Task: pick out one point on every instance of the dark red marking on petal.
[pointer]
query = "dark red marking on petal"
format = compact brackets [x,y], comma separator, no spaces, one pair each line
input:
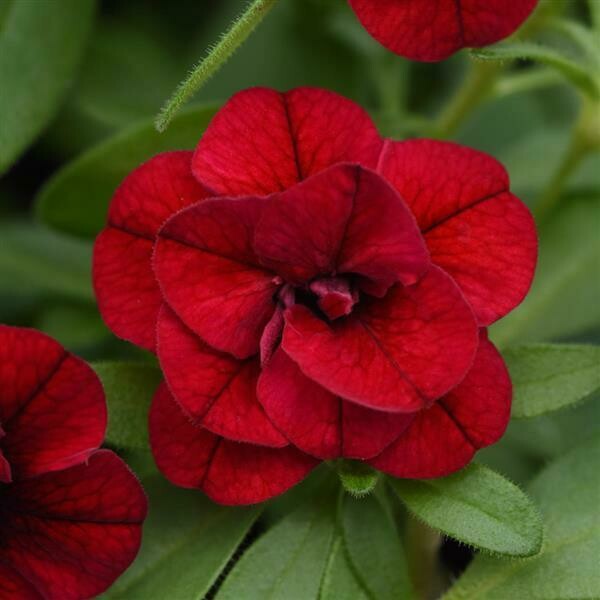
[478,232]
[263,141]
[210,277]
[320,423]
[216,390]
[431,30]
[52,405]
[344,220]
[444,437]
[127,293]
[228,472]
[397,354]
[71,533]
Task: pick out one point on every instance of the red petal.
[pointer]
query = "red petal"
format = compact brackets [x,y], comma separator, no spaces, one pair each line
[475,230]
[320,423]
[52,405]
[209,276]
[228,472]
[71,533]
[431,30]
[127,293]
[14,587]
[345,220]
[397,354]
[444,438]
[263,141]
[217,391]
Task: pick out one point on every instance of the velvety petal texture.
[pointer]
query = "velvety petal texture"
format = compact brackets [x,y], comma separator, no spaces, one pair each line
[228,472]
[70,514]
[444,437]
[127,293]
[431,30]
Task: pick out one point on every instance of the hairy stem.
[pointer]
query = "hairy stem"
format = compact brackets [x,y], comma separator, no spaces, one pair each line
[231,40]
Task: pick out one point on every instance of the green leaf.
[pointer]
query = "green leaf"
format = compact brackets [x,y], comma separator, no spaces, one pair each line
[568,494]
[579,75]
[187,543]
[76,199]
[41,44]
[478,507]
[548,377]
[339,582]
[358,478]
[37,262]
[129,388]
[564,297]
[374,548]
[288,561]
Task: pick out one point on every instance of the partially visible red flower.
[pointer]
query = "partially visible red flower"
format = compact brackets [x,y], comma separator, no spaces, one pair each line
[313,291]
[70,514]
[431,30]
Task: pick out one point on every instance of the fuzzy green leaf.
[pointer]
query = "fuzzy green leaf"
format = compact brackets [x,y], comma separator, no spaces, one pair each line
[547,377]
[129,388]
[41,44]
[339,581]
[288,561]
[76,199]
[374,549]
[568,494]
[187,543]
[476,506]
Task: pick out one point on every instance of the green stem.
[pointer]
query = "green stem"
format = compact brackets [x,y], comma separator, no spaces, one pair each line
[237,34]
[585,139]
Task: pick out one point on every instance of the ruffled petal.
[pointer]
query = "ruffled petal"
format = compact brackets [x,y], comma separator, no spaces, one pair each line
[210,277]
[344,220]
[228,472]
[320,423]
[475,229]
[397,354]
[444,438]
[217,391]
[127,293]
[52,407]
[264,141]
[71,533]
[431,30]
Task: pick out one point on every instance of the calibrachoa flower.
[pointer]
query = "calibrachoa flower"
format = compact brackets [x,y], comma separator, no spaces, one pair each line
[70,514]
[431,30]
[314,291]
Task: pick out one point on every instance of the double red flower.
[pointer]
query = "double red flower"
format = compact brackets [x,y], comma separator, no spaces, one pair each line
[314,291]
[70,514]
[431,30]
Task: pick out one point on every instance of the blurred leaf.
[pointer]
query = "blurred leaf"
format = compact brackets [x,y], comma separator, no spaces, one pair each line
[129,388]
[41,44]
[36,261]
[563,300]
[187,543]
[579,75]
[339,582]
[288,561]
[549,377]
[76,199]
[478,507]
[374,548]
[568,494]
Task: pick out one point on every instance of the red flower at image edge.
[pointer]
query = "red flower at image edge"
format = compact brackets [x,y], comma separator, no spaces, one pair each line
[431,30]
[70,514]
[314,291]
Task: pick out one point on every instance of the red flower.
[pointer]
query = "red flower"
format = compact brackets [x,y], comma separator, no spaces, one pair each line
[313,291]
[431,30]
[70,514]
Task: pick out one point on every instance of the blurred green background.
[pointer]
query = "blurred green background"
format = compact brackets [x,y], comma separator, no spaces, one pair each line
[82,80]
